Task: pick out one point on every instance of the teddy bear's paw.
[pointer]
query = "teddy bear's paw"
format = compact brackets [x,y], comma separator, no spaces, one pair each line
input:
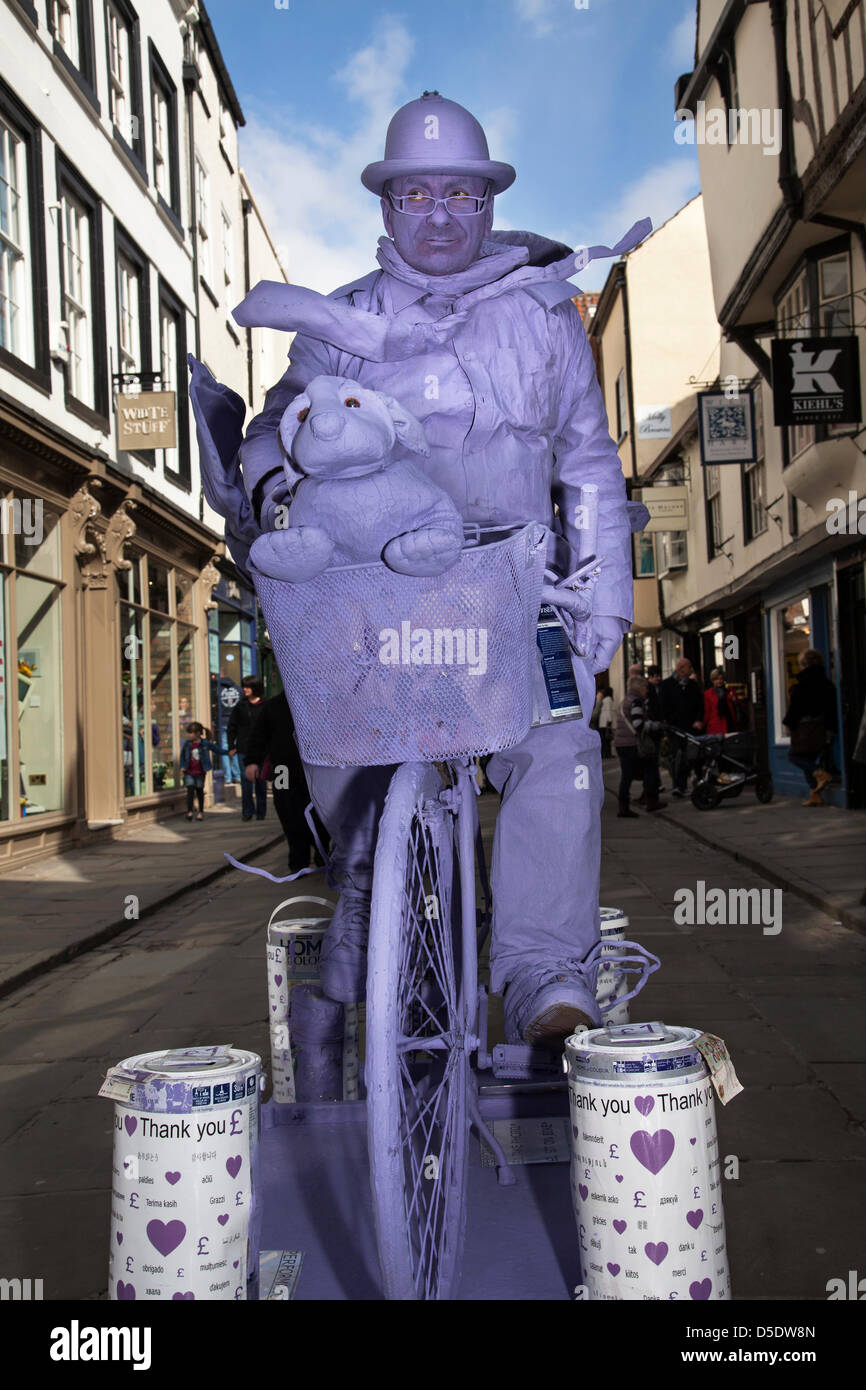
[430,550]
[299,553]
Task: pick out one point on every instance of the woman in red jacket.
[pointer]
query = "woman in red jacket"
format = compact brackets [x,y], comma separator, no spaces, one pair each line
[720,706]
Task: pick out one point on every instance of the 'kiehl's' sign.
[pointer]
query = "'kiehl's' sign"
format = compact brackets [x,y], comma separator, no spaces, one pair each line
[146,421]
[816,381]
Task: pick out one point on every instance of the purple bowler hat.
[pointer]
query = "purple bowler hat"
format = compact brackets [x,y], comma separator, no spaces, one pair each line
[436,136]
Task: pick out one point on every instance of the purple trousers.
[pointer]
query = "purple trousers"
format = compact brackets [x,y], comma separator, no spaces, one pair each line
[546,848]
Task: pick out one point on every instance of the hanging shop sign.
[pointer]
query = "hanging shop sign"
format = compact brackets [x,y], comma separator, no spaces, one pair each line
[816,381]
[726,426]
[146,421]
[653,422]
[668,507]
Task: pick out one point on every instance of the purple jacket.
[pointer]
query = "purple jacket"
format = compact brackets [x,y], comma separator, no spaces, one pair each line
[505,388]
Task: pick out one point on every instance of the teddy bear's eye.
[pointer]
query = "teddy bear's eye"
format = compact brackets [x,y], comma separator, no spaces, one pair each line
[350,400]
[302,414]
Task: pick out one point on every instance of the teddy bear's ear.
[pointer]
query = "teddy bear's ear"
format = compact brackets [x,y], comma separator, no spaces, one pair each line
[290,423]
[407,429]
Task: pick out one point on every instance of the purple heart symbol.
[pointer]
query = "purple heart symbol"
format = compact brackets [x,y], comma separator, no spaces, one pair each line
[644,1104]
[176,1296]
[233,1165]
[278,979]
[273,1008]
[223,1219]
[583,1191]
[130,1121]
[695,1218]
[119,1237]
[172,1178]
[125,1290]
[165,1235]
[700,1290]
[619,1226]
[574,1130]
[654,1252]
[693,1141]
[618,1177]
[614,1269]
[652,1150]
[235,1264]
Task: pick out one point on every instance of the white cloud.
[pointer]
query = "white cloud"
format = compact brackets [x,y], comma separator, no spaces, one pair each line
[680,44]
[306,178]
[537,13]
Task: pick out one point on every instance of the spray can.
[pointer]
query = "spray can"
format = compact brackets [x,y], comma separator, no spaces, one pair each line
[645,1174]
[185,1216]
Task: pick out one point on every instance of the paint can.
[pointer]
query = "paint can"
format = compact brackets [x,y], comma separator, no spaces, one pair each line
[293,948]
[184,1213]
[645,1173]
[611,983]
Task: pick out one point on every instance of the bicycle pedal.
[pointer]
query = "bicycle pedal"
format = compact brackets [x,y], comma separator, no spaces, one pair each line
[520,1062]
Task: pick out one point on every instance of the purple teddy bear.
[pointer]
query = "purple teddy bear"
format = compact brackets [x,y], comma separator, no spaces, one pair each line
[353,504]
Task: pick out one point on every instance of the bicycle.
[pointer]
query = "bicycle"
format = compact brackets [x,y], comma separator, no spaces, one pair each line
[426,1016]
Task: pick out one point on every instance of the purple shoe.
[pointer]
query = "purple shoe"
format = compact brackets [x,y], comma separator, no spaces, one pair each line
[343,960]
[545,1004]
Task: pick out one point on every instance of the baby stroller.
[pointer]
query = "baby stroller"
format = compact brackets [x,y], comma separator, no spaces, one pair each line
[723,764]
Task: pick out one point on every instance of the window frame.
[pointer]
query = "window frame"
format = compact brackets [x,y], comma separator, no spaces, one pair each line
[182,476]
[808,270]
[161,79]
[622,420]
[133,148]
[68,179]
[713,546]
[83,73]
[38,373]
[202,228]
[750,471]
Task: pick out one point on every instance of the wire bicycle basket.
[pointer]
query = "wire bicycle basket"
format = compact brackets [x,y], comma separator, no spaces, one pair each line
[383,668]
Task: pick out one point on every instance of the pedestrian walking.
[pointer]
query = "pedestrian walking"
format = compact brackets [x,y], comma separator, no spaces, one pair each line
[195,764]
[682,705]
[254,792]
[654,704]
[636,749]
[272,741]
[721,707]
[606,720]
[811,718]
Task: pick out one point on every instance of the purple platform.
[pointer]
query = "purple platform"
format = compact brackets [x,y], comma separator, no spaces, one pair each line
[521,1241]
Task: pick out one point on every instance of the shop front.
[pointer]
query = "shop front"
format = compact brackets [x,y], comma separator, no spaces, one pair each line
[800,615]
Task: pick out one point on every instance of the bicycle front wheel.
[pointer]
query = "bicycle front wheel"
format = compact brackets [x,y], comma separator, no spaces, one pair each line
[417,1061]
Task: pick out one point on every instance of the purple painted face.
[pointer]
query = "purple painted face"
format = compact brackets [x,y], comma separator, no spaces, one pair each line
[440,243]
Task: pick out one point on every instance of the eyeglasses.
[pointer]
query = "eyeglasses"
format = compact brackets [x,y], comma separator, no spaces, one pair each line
[418,204]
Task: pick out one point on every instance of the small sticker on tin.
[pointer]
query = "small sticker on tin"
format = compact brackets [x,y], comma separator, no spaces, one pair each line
[721,1068]
[251,1085]
[238,1090]
[201,1095]
[221,1093]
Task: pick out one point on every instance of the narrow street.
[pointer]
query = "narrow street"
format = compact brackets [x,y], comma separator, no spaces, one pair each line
[789,1006]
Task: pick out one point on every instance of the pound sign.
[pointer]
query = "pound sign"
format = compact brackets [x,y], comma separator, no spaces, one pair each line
[235,1116]
[239,1293]
[133,1200]
[582,1232]
[129,1265]
[239,1199]
[637,1198]
[613,1151]
[202,1246]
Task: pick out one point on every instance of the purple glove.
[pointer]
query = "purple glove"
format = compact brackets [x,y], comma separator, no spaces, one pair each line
[607,634]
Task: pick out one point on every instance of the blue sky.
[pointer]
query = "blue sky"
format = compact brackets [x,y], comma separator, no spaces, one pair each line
[579,100]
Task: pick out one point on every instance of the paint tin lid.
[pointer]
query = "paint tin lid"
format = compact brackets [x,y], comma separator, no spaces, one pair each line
[634,1049]
[179,1080]
[610,916]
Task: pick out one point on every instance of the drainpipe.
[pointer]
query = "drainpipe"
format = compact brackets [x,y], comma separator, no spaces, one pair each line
[190,87]
[246,208]
[623,286]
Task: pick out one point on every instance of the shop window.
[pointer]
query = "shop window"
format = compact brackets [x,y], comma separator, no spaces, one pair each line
[673,551]
[644,555]
[16,305]
[791,635]
[158,673]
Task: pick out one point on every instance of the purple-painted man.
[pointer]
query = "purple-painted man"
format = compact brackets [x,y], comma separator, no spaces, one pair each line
[475,332]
